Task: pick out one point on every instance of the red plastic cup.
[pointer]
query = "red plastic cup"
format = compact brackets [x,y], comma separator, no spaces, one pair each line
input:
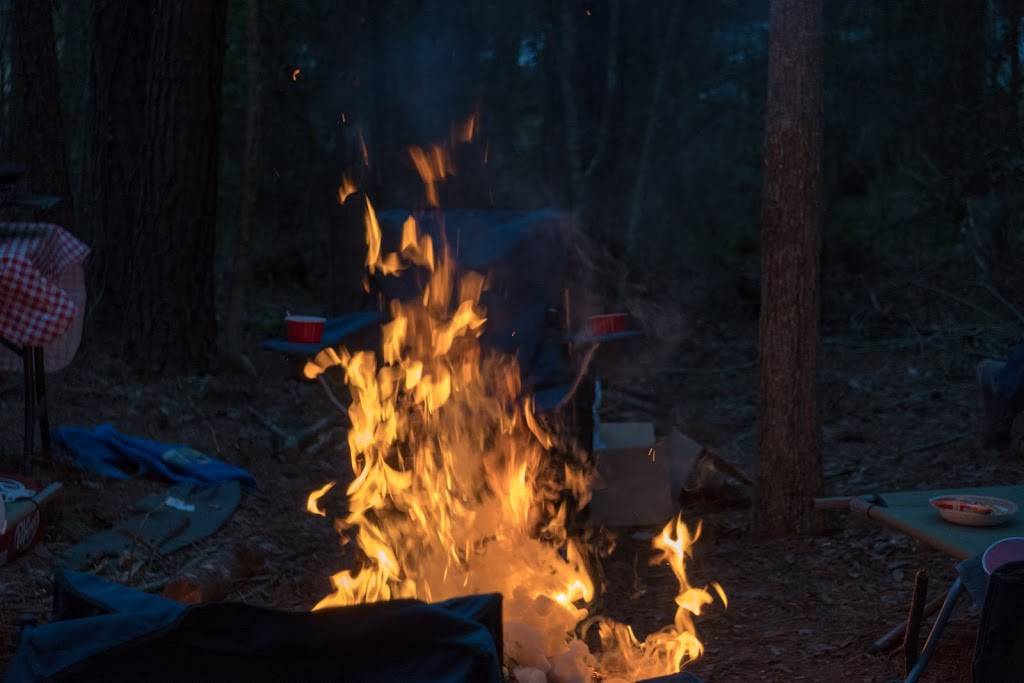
[304,329]
[608,323]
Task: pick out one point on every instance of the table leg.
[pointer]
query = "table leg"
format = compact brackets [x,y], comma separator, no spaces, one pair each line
[28,360]
[44,413]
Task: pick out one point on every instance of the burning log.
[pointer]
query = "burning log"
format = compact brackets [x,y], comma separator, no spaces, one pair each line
[210,579]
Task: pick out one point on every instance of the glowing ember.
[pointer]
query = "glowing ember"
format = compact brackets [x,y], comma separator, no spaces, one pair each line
[295,74]
[455,489]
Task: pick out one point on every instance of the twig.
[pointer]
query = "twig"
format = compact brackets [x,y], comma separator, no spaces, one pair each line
[726,467]
[958,299]
[330,395]
[994,292]
[154,585]
[294,443]
[213,433]
[580,374]
[892,637]
[708,371]
[934,444]
[265,421]
[911,641]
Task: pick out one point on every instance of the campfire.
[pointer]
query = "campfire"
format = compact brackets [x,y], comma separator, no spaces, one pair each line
[456,490]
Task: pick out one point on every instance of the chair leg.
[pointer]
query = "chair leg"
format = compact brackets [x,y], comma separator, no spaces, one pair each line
[933,637]
[28,360]
[44,412]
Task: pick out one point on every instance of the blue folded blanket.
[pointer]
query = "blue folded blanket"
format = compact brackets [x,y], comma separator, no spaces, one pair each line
[107,451]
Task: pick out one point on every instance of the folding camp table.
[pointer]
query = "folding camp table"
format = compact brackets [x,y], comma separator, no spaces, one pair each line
[910,513]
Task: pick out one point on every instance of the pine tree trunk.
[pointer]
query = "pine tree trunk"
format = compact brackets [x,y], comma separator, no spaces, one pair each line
[111,187]
[788,468]
[240,275]
[41,148]
[172,319]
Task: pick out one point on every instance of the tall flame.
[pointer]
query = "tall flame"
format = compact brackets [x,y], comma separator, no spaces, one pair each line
[455,490]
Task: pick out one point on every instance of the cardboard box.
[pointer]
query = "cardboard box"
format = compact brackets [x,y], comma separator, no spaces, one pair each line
[27,520]
[635,482]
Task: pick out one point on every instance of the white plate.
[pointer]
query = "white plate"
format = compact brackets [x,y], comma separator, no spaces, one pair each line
[1002,510]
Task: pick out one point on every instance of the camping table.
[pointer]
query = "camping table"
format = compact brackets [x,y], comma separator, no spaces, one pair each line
[42,294]
[910,513]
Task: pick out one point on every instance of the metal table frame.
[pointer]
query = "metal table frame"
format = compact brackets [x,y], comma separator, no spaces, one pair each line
[35,401]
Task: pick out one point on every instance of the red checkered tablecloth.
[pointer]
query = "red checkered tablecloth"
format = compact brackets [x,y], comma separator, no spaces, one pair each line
[34,258]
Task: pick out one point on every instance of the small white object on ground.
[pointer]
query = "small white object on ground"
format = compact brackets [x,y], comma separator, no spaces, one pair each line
[179,504]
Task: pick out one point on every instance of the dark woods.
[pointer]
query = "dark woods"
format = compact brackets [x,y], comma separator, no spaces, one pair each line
[199,145]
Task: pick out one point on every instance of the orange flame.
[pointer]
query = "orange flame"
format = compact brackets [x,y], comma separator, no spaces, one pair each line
[454,490]
[346,189]
[362,148]
[314,498]
[295,74]
[433,166]
[467,131]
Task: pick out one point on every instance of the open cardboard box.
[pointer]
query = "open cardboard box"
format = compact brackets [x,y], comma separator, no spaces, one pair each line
[639,478]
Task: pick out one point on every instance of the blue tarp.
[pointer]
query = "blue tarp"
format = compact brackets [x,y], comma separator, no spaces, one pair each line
[107,632]
[106,451]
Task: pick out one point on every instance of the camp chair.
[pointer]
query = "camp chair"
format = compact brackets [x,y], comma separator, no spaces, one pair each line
[524,255]
[910,513]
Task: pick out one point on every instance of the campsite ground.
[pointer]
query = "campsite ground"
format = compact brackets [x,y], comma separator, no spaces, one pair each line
[897,409]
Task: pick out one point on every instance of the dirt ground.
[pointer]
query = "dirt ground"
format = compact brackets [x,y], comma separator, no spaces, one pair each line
[897,409]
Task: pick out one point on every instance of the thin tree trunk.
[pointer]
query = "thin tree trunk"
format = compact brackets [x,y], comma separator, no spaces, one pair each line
[1013,10]
[172,320]
[788,466]
[643,164]
[240,274]
[581,172]
[611,88]
[111,185]
[572,117]
[42,150]
[553,156]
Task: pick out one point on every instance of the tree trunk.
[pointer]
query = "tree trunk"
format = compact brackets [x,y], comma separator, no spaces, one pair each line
[240,274]
[172,320]
[1013,10]
[111,187]
[788,468]
[34,62]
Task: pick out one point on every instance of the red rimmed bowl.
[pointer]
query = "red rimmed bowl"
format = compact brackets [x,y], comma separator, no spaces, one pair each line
[304,329]
[974,510]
